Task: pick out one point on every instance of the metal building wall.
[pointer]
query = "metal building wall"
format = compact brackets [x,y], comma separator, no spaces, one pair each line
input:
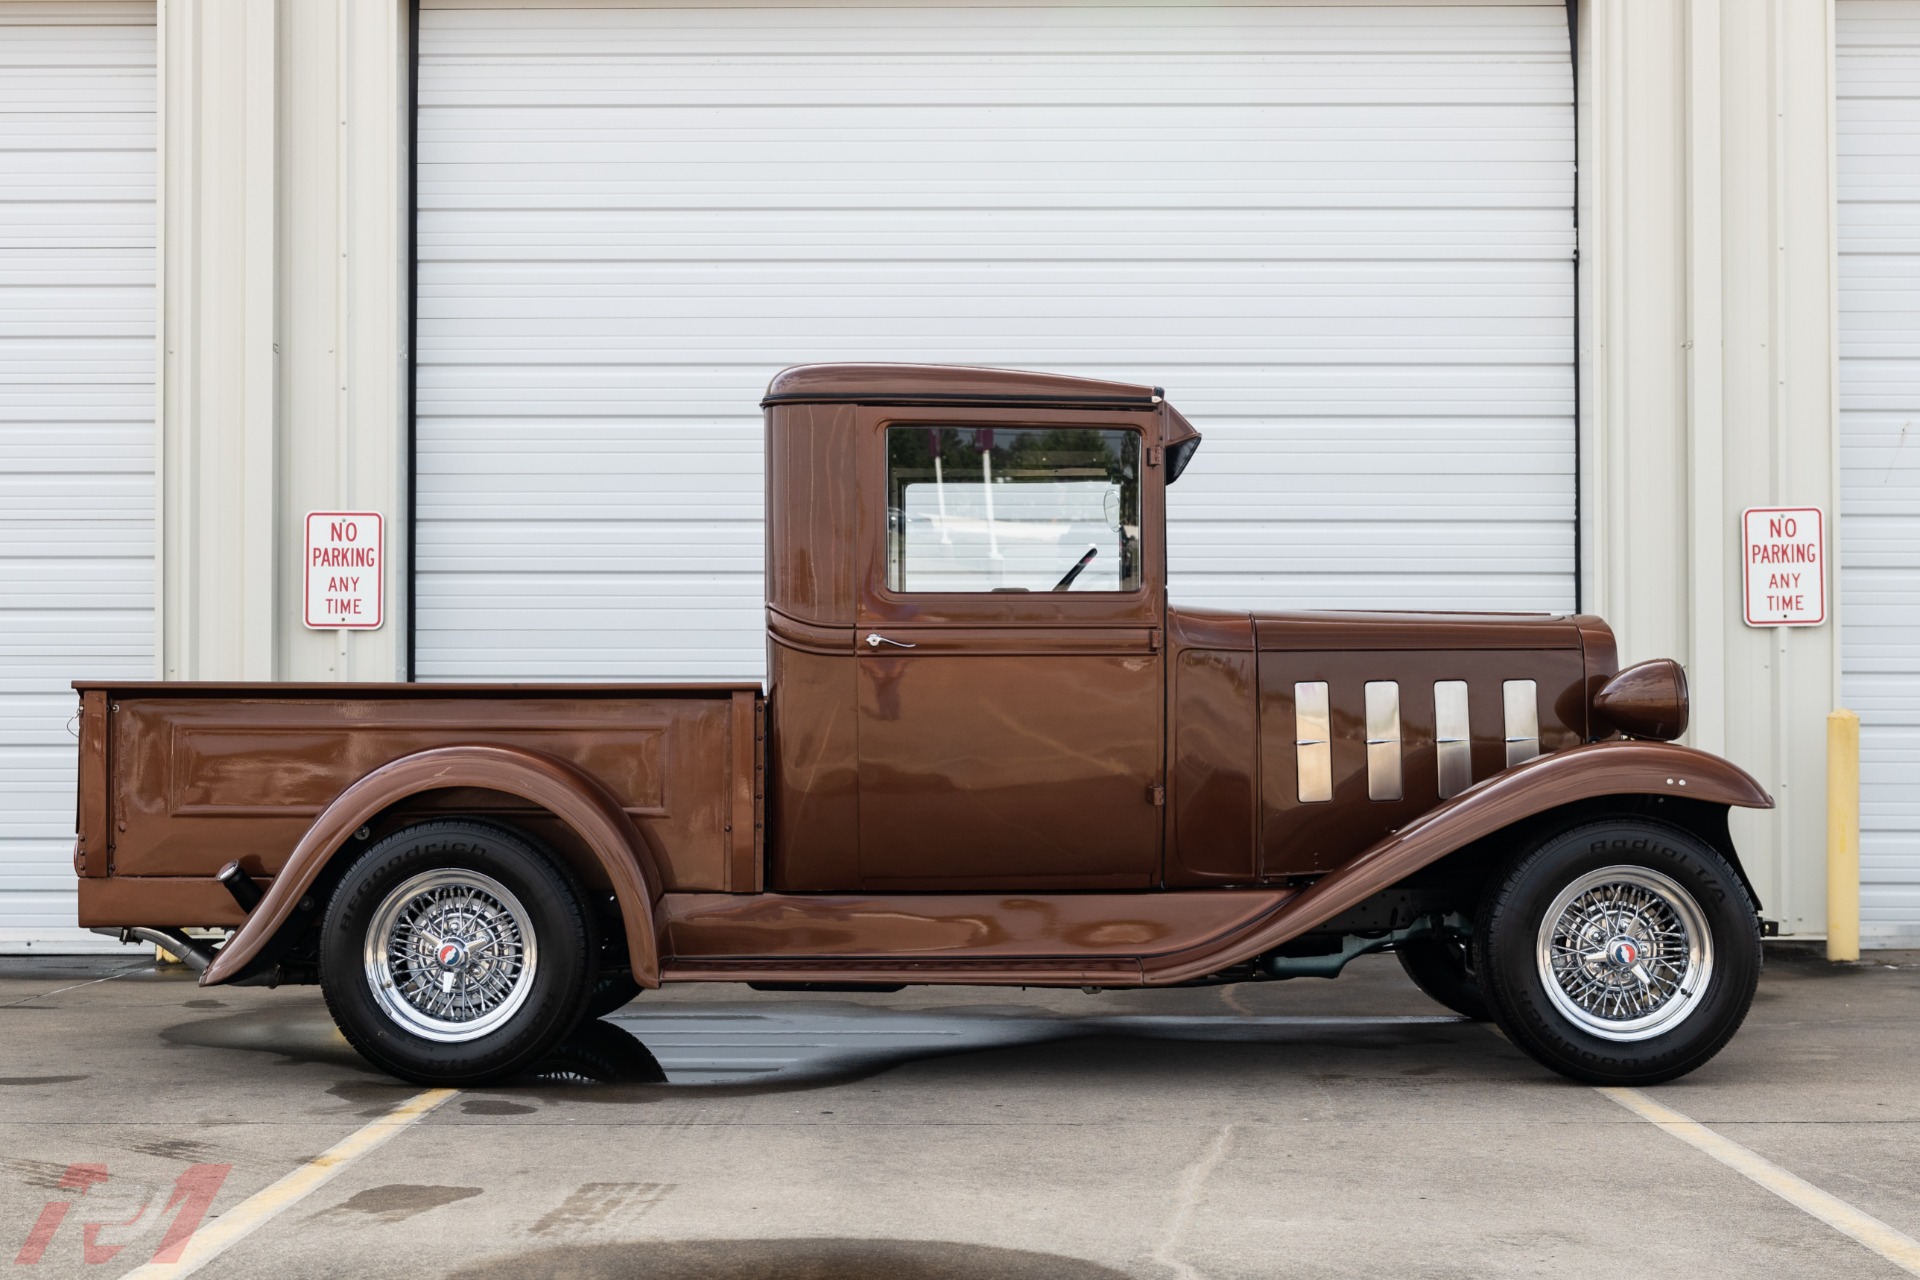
[1879,175]
[76,417]
[1340,236]
[1707,375]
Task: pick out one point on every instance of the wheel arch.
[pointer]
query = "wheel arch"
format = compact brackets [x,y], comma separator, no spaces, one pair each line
[1679,784]
[604,843]
[1473,863]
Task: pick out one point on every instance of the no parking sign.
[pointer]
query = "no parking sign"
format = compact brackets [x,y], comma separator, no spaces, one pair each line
[1785,553]
[346,568]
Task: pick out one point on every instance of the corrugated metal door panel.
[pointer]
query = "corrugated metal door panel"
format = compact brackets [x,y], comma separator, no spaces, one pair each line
[1341,237]
[76,427]
[1879,182]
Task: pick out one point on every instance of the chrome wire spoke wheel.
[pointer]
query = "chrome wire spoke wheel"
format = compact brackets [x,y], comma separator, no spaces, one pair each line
[1625,953]
[451,955]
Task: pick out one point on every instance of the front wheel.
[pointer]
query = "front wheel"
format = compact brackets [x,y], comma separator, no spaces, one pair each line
[456,953]
[1620,952]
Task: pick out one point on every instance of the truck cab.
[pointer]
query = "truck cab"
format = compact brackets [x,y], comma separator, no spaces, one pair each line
[978,680]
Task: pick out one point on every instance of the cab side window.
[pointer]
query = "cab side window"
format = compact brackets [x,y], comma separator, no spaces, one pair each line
[979,509]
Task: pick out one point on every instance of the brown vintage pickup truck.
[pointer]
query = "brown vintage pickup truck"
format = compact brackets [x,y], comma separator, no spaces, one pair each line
[990,752]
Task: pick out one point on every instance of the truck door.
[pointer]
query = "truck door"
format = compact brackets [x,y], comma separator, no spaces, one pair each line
[1010,667]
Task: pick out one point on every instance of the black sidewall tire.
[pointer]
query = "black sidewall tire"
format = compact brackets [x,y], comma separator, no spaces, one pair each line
[1506,951]
[1438,966]
[562,981]
[614,991]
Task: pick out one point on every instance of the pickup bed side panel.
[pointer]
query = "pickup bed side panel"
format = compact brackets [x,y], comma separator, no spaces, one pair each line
[200,780]
[93,850]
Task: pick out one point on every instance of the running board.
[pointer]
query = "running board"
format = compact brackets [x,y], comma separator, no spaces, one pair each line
[844,974]
[786,937]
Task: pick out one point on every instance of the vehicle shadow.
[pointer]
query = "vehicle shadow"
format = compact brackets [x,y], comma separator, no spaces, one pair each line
[796,1259]
[725,1050]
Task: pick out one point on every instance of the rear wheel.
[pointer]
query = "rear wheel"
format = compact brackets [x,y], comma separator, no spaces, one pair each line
[458,952]
[1625,951]
[1438,966]
[613,992]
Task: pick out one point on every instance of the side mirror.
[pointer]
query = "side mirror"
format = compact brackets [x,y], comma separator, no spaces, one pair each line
[1110,505]
[1179,454]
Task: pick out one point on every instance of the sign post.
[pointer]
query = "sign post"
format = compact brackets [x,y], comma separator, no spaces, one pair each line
[346,570]
[1784,551]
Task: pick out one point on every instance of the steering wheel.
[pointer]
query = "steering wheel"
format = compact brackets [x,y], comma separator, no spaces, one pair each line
[1074,572]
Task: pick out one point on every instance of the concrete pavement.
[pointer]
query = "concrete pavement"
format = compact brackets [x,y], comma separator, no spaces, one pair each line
[1305,1128]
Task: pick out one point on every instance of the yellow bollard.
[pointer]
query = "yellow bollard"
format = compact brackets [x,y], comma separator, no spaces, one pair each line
[1843,836]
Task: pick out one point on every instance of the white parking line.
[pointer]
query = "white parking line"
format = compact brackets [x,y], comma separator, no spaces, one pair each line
[91,982]
[1193,1185]
[262,1206]
[1900,1249]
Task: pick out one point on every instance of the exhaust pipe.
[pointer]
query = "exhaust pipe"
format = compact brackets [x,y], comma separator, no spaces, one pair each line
[195,955]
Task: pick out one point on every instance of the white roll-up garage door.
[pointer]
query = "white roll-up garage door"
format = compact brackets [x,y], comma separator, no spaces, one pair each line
[1879,179]
[76,418]
[1340,236]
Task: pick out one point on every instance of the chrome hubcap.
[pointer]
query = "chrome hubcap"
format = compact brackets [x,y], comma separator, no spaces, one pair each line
[451,955]
[1625,953]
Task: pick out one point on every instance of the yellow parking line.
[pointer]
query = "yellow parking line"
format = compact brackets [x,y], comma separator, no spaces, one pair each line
[262,1206]
[1900,1249]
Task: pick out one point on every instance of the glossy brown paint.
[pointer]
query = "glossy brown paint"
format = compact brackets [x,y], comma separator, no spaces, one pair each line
[1047,788]
[1246,927]
[702,927]
[244,775]
[1412,630]
[1213,792]
[746,736]
[93,847]
[896,971]
[946,385]
[813,768]
[812,507]
[1018,742]
[186,902]
[1548,782]
[1018,772]
[1647,700]
[812,757]
[1300,838]
[622,851]
[1602,661]
[1234,725]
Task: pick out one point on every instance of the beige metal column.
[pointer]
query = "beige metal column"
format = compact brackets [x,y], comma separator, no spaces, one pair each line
[217,465]
[1708,374]
[282,320]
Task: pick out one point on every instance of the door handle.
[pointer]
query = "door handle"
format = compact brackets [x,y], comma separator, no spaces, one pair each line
[875,640]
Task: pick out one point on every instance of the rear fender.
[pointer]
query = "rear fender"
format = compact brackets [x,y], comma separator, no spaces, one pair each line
[576,798]
[1593,771]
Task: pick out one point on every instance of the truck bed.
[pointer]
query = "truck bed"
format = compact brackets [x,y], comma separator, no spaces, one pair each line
[177,778]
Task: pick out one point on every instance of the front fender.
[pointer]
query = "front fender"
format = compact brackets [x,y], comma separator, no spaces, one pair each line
[1617,768]
[575,797]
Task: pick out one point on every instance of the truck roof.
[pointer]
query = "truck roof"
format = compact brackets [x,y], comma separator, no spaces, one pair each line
[935,384]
